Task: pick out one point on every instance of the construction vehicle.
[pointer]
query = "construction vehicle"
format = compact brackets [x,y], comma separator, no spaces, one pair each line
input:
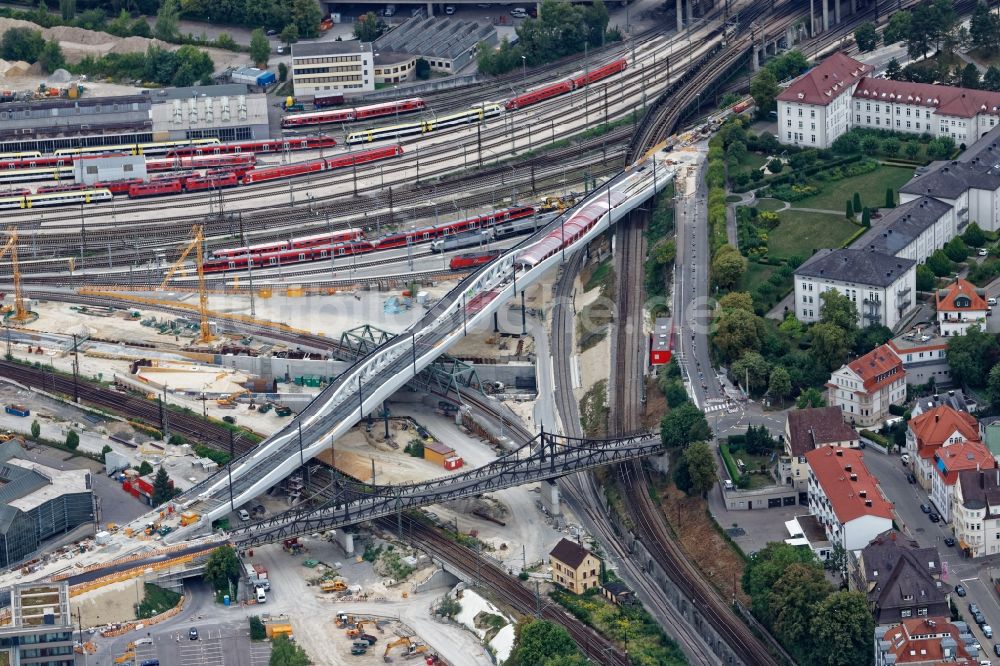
[229,401]
[333,586]
[20,314]
[344,620]
[357,630]
[412,647]
[368,638]
[282,410]
[326,24]
[189,518]
[197,245]
[357,649]
[125,657]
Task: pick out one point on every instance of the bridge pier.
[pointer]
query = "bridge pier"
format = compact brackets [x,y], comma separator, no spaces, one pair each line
[346,541]
[550,496]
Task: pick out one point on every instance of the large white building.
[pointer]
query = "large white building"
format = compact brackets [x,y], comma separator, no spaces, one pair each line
[845,498]
[880,285]
[913,230]
[839,94]
[864,388]
[332,67]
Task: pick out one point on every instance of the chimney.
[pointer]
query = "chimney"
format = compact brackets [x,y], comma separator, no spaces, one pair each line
[854,477]
[864,493]
[937,417]
[868,502]
[840,452]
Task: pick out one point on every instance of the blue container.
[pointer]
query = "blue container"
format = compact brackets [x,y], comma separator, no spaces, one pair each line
[225,600]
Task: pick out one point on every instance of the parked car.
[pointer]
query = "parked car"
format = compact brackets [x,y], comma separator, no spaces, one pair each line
[244,515]
[193,634]
[973,607]
[960,590]
[983,252]
[934,517]
[911,477]
[996,649]
[987,631]
[949,541]
[905,458]
[925,508]
[519,12]
[271,33]
[979,618]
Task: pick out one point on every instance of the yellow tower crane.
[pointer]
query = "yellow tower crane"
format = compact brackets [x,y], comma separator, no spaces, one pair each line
[20,315]
[196,244]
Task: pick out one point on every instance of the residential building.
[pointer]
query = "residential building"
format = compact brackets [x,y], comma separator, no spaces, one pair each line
[574,567]
[949,461]
[924,354]
[976,518]
[334,67]
[864,388]
[808,429]
[845,498]
[816,108]
[913,230]
[960,305]
[38,502]
[926,641]
[953,398]
[881,286]
[900,579]
[40,630]
[932,429]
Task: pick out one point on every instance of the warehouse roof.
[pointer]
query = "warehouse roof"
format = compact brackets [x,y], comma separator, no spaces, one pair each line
[856,266]
[187,92]
[434,37]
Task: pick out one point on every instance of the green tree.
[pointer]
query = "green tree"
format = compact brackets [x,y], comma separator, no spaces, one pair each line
[991,79]
[22,44]
[736,332]
[307,16]
[897,30]
[856,201]
[754,368]
[970,77]
[764,90]
[780,383]
[286,653]
[870,145]
[810,397]
[912,149]
[683,425]
[890,198]
[701,468]
[843,625]
[105,450]
[765,567]
[675,393]
[728,267]
[866,218]
[289,34]
[140,28]
[67,9]
[866,37]
[956,249]
[257,630]
[974,236]
[850,210]
[871,337]
[939,263]
[925,278]
[737,150]
[72,440]
[892,68]
[794,598]
[162,489]
[775,166]
[993,386]
[282,71]
[737,300]
[121,25]
[366,27]
[51,57]
[167,21]
[423,69]
[145,468]
[940,148]
[982,29]
[36,430]
[972,356]
[260,48]
[537,641]
[830,345]
[838,309]
[222,568]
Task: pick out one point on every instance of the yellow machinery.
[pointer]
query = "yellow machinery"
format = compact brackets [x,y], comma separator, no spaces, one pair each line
[333,586]
[229,401]
[20,315]
[407,642]
[344,620]
[196,244]
[358,629]
[125,657]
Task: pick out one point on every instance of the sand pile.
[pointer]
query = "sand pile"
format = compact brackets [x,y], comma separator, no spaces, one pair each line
[60,76]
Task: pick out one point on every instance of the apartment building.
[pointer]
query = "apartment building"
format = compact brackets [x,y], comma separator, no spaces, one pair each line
[864,388]
[933,429]
[913,230]
[808,429]
[927,641]
[949,462]
[816,108]
[976,518]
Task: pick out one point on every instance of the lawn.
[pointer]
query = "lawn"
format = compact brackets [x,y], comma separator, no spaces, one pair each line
[770,204]
[871,187]
[801,232]
[750,162]
[755,274]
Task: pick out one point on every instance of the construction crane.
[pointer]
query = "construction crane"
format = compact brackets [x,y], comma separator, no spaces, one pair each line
[21,315]
[196,244]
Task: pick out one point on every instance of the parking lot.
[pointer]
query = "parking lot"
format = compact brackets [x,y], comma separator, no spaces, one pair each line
[228,645]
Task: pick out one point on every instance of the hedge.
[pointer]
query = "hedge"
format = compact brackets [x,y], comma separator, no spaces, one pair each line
[875,437]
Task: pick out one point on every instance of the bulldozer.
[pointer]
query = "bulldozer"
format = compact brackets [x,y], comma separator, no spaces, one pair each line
[333,586]
[412,647]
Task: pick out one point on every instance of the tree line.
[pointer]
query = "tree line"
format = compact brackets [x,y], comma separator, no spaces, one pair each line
[561,29]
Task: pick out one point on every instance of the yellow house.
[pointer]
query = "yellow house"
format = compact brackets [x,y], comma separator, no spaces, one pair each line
[574,567]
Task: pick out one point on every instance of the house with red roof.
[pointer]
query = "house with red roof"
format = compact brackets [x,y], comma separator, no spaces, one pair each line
[816,108]
[949,461]
[845,498]
[926,641]
[976,509]
[865,387]
[959,306]
[933,429]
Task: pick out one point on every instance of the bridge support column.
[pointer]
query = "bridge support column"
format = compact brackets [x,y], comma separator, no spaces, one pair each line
[346,541]
[430,9]
[826,15]
[660,463]
[836,12]
[690,13]
[550,497]
[680,15]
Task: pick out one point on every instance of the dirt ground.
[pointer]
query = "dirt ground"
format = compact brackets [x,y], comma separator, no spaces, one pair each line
[111,603]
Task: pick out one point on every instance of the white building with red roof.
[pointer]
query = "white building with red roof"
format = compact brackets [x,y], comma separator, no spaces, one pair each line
[933,429]
[865,387]
[816,108]
[845,498]
[926,641]
[959,306]
[949,461]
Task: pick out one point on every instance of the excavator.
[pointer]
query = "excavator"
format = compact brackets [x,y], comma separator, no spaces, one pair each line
[344,620]
[333,586]
[412,648]
[358,629]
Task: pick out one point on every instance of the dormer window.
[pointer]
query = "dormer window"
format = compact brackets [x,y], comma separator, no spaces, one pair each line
[963,302]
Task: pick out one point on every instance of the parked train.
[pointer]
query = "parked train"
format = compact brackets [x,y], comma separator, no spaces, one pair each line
[238,163]
[37,200]
[328,238]
[301,250]
[271,146]
[326,164]
[472,259]
[354,114]
[474,115]
[152,148]
[568,85]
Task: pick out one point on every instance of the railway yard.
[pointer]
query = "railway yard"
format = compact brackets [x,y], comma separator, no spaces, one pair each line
[364,351]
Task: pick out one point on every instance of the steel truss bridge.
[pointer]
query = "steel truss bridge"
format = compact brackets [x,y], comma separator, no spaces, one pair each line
[547,456]
[386,364]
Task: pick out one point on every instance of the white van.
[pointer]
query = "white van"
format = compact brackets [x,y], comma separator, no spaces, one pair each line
[261,595]
[991,301]
[519,12]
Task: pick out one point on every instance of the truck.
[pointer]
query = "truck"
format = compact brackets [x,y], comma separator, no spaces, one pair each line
[262,580]
[17,410]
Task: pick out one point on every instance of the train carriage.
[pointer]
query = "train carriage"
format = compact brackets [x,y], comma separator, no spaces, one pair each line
[266,146]
[86,196]
[575,227]
[472,259]
[332,116]
[41,173]
[156,188]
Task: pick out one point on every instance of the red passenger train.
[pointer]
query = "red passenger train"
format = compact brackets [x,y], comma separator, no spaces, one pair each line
[353,115]
[568,85]
[328,238]
[471,260]
[327,164]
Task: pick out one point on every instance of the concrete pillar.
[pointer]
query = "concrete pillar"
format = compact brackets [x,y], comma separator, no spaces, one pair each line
[836,12]
[690,13]
[660,463]
[826,15]
[854,7]
[550,497]
[812,13]
[430,9]
[346,541]
[680,15]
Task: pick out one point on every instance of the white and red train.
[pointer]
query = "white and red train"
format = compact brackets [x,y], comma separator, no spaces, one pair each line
[353,114]
[567,85]
[323,246]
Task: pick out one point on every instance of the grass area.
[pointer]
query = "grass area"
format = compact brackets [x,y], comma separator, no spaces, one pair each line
[627,625]
[755,274]
[769,204]
[801,232]
[601,276]
[750,162]
[871,187]
[594,410]
[984,59]
[734,198]
[157,600]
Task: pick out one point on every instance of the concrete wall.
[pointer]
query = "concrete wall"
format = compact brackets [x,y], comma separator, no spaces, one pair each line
[752,500]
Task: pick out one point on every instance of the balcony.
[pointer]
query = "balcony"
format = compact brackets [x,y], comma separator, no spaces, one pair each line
[873,317]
